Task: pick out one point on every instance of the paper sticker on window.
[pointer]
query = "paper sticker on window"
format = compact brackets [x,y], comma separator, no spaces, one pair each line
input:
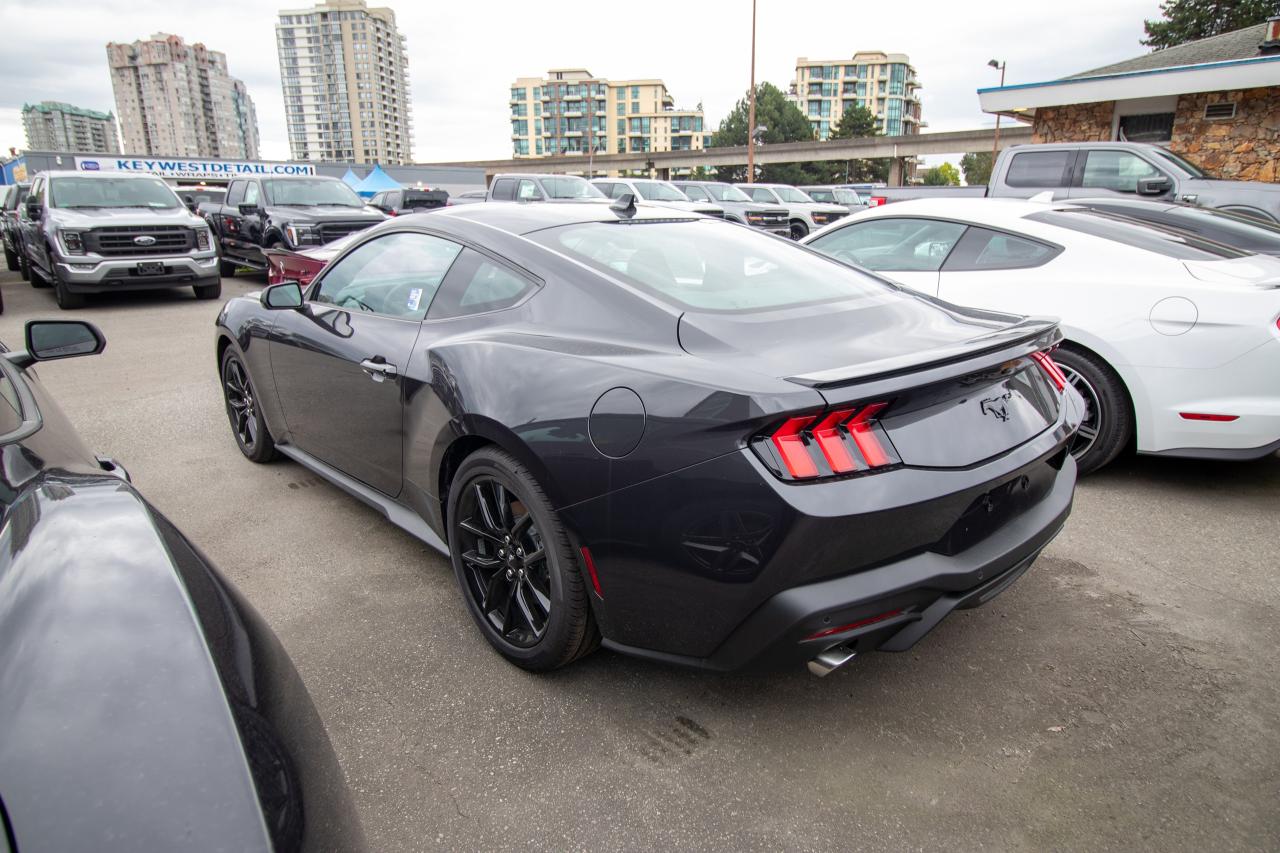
[415,298]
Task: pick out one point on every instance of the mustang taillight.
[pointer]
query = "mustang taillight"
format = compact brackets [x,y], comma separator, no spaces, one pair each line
[841,441]
[1049,366]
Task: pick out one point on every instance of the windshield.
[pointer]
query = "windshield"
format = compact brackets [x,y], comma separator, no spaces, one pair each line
[657,191]
[847,197]
[709,265]
[1181,162]
[792,194]
[568,186]
[822,195]
[724,192]
[311,192]
[111,192]
[1169,242]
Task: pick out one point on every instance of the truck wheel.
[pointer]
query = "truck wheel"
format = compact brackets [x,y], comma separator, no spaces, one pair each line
[208,291]
[11,259]
[227,269]
[799,230]
[65,298]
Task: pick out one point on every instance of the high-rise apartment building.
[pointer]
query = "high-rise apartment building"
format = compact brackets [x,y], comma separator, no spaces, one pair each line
[175,99]
[884,83]
[54,126]
[345,74]
[571,111]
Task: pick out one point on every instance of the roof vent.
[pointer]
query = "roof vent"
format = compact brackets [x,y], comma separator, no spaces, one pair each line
[1220,111]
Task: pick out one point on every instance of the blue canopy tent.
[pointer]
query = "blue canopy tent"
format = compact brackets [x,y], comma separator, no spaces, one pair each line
[351,179]
[375,182]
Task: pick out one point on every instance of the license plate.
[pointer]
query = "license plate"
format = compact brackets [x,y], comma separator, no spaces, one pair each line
[150,268]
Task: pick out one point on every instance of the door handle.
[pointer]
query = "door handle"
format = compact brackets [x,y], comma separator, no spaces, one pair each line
[377,368]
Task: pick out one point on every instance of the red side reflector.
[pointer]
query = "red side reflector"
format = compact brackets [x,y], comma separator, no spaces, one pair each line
[1200,416]
[863,433]
[827,435]
[791,448]
[591,570]
[859,624]
[1050,367]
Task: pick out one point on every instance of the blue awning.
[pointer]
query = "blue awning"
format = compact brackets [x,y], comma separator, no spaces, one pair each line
[375,182]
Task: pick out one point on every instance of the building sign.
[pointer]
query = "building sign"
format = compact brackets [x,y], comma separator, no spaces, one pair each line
[190,169]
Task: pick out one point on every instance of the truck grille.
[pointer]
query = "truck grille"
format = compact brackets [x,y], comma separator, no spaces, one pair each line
[331,231]
[767,219]
[121,240]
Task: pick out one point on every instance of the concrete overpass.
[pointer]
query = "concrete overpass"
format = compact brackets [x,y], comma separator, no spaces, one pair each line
[868,148]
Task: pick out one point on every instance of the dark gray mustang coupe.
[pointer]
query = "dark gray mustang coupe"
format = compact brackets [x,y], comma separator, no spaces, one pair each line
[663,432]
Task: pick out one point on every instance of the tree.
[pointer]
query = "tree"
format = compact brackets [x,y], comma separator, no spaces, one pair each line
[945,175]
[859,123]
[977,167]
[1190,20]
[785,123]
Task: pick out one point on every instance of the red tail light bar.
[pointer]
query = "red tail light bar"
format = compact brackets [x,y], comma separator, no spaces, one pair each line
[842,441]
[1050,367]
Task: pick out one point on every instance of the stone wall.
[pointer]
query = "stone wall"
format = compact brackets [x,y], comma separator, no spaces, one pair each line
[1244,148]
[1074,123]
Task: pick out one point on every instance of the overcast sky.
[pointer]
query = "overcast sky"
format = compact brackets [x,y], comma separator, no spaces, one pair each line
[464,56]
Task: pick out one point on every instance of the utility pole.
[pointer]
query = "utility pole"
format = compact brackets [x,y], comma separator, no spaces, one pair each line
[751,109]
[995,146]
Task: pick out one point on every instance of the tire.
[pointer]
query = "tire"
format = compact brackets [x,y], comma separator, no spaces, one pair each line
[227,269]
[11,259]
[243,412]
[65,298]
[24,270]
[507,595]
[1108,423]
[799,230]
[208,291]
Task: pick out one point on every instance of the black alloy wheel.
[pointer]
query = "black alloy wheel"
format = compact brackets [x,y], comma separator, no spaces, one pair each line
[243,411]
[515,564]
[1108,420]
[65,298]
[799,230]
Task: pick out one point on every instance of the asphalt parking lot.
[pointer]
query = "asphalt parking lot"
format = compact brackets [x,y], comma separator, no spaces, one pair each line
[1124,693]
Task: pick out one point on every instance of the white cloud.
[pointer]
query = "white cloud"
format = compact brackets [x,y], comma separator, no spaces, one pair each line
[463,56]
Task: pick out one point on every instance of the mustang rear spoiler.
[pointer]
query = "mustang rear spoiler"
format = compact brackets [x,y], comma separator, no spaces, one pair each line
[1040,331]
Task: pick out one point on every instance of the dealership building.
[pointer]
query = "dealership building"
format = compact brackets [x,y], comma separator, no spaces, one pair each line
[453,179]
[1216,101]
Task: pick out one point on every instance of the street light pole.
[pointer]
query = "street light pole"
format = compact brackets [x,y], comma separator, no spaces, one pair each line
[995,146]
[751,109]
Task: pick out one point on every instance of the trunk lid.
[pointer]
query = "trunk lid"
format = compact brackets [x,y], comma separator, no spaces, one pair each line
[960,384]
[1256,270]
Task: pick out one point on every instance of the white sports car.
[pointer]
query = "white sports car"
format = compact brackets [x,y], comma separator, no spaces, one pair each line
[1173,340]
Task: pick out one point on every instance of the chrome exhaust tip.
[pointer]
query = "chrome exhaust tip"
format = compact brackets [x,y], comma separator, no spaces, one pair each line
[832,659]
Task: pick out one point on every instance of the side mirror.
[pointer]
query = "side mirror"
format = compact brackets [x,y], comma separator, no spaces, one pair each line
[247,209]
[282,296]
[1154,186]
[33,208]
[50,340]
[190,203]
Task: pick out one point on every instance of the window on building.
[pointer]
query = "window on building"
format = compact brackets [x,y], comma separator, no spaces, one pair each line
[1153,127]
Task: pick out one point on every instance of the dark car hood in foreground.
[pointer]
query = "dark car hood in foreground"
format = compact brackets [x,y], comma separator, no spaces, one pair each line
[856,339]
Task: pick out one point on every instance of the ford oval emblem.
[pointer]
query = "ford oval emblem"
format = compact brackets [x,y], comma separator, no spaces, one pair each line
[89,165]
[144,240]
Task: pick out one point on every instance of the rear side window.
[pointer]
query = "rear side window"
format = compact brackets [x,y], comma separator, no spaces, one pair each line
[504,189]
[696,193]
[898,244]
[984,249]
[825,196]
[527,191]
[477,285]
[1140,235]
[710,265]
[762,194]
[1038,169]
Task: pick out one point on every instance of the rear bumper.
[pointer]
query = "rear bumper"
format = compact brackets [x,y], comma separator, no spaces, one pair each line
[97,276]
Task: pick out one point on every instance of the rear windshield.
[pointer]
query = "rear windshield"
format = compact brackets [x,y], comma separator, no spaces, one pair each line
[311,192]
[111,192]
[791,194]
[1140,235]
[425,198]
[710,265]
[826,196]
[570,187]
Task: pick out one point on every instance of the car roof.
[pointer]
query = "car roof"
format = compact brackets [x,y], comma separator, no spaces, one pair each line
[535,175]
[73,173]
[527,218]
[983,209]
